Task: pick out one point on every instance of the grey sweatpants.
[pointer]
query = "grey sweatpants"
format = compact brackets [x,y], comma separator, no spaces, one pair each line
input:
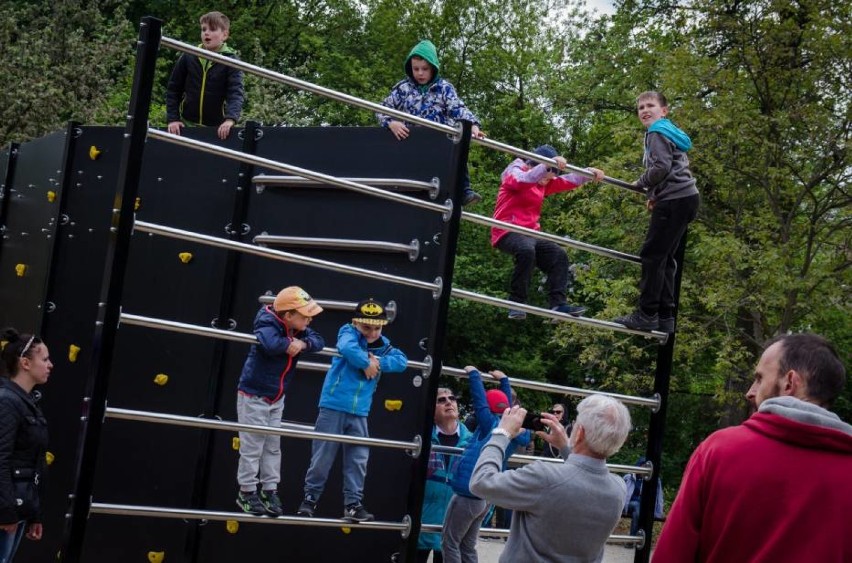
[461,529]
[260,454]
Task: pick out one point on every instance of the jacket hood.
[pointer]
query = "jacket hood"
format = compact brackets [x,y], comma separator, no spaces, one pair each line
[671,132]
[425,50]
[790,420]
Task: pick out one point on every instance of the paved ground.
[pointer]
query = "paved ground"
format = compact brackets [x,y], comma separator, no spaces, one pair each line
[490,550]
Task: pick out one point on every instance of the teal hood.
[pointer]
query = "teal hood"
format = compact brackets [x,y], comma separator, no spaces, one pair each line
[671,132]
[425,50]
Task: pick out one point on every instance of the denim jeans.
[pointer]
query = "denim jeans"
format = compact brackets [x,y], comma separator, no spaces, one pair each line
[669,220]
[633,512]
[354,457]
[9,542]
[528,253]
[461,529]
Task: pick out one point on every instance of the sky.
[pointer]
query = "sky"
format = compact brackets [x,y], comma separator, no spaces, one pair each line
[602,6]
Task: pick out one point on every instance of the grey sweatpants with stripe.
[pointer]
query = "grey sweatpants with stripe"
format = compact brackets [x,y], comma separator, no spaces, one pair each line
[260,454]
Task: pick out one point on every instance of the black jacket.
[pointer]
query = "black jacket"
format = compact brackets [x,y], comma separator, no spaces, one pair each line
[202,92]
[23,443]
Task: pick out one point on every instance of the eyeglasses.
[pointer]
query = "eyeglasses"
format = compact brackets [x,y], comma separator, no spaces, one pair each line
[558,412]
[446,398]
[27,346]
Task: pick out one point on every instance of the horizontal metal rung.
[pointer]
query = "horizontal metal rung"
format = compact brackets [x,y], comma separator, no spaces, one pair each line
[412,249]
[187,514]
[504,533]
[205,423]
[595,323]
[400,184]
[180,234]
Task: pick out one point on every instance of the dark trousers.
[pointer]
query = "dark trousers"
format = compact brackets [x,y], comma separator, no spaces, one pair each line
[528,253]
[668,225]
[423,556]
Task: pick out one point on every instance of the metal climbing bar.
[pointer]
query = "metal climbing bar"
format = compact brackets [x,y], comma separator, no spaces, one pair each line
[185,328]
[413,448]
[373,107]
[506,304]
[411,250]
[209,148]
[504,533]
[180,234]
[433,187]
[561,241]
[390,307]
[185,514]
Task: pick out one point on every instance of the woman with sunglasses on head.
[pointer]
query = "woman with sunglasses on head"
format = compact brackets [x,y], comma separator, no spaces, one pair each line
[23,439]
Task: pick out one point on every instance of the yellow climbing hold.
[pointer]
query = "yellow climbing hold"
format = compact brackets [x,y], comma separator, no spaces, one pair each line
[49,457]
[393,404]
[156,556]
[20,269]
[235,443]
[137,204]
[94,152]
[232,526]
[346,530]
[51,196]
[185,257]
[161,379]
[73,350]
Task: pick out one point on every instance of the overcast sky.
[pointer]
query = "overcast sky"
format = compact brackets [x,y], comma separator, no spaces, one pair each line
[602,6]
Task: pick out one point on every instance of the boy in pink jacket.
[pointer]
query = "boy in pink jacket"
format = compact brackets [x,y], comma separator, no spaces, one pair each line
[524,185]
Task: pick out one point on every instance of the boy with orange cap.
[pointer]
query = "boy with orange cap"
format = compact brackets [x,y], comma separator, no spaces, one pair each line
[282,336]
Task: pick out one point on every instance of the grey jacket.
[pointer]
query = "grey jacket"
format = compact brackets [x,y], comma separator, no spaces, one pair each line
[564,512]
[667,174]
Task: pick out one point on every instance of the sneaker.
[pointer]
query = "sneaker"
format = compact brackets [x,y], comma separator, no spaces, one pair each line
[666,325]
[357,513]
[574,310]
[271,502]
[249,502]
[470,197]
[308,507]
[516,315]
[638,320]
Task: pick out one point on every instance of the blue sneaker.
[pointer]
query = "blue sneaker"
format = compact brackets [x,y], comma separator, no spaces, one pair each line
[470,197]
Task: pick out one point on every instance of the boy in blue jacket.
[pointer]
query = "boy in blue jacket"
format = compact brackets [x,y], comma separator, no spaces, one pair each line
[344,404]
[466,510]
[673,203]
[282,335]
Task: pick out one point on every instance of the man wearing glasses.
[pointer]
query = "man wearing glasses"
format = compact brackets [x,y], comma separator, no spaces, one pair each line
[447,431]
[558,410]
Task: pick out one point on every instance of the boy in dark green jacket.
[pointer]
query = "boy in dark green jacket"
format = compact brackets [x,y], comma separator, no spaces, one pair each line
[201,92]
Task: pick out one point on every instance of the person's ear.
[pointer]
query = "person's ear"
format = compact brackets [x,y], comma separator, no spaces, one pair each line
[225,35]
[664,111]
[794,384]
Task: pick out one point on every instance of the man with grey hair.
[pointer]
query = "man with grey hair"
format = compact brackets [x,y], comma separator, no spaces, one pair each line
[542,529]
[775,488]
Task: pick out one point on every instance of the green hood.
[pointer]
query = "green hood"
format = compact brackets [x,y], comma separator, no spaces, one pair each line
[425,50]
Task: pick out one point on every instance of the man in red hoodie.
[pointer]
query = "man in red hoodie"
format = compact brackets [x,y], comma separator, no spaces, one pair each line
[776,488]
[523,187]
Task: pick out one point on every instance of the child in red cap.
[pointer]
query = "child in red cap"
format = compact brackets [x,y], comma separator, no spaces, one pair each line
[465,511]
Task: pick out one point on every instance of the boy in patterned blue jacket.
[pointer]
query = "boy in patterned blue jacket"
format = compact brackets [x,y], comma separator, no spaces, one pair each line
[425,94]
[344,404]
[282,335]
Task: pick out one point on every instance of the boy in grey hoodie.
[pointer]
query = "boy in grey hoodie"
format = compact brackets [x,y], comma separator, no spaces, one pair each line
[673,203]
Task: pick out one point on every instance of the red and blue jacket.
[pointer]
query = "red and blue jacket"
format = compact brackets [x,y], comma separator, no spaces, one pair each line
[268,368]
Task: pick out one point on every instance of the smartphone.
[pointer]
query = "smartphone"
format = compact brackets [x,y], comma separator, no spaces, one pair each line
[533,422]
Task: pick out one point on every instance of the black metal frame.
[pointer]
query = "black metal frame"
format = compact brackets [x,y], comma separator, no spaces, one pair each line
[8,179]
[112,287]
